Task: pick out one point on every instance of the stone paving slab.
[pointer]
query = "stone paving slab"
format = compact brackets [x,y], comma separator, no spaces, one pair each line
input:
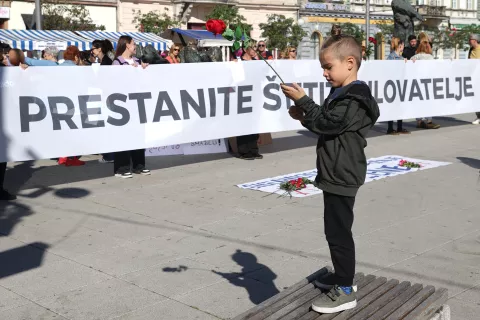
[185,243]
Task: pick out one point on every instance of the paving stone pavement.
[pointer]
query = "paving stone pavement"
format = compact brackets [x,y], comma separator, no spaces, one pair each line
[185,243]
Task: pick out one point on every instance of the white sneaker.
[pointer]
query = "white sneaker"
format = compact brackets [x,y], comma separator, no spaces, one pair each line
[125,175]
[476,121]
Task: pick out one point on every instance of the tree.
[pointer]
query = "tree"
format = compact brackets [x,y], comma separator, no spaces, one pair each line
[353,30]
[58,16]
[281,32]
[231,17]
[385,28]
[154,21]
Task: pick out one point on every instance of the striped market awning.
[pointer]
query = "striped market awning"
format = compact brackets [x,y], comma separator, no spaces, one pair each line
[141,38]
[40,39]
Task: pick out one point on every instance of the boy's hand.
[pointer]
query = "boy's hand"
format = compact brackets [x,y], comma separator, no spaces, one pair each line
[296,113]
[296,92]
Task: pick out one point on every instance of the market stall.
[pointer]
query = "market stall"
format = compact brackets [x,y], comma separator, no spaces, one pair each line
[140,38]
[31,40]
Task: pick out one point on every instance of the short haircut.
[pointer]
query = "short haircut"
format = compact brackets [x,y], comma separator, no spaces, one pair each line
[412,37]
[71,53]
[51,50]
[424,47]
[395,43]
[475,37]
[343,46]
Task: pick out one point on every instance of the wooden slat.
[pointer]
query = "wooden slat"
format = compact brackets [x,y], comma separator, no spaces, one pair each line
[378,282]
[383,300]
[384,312]
[266,312]
[249,313]
[300,311]
[308,297]
[428,307]
[411,304]
[367,300]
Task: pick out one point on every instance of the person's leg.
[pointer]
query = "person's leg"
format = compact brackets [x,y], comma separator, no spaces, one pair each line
[243,145]
[390,128]
[4,194]
[400,129]
[338,217]
[121,164]
[253,146]
[107,157]
[138,162]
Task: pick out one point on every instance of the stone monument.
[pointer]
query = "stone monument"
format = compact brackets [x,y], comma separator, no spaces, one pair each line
[403,18]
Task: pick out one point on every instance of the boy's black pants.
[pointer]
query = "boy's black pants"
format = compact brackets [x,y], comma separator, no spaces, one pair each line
[338,220]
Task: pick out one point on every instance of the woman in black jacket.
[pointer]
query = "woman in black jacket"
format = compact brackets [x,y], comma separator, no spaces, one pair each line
[100,51]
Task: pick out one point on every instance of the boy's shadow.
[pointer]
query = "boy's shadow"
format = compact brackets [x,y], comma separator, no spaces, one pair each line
[259,288]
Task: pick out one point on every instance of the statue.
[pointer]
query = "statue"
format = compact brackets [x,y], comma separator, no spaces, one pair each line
[403,15]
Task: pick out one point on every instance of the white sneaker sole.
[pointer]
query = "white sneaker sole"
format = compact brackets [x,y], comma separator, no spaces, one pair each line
[343,307]
[328,287]
[123,176]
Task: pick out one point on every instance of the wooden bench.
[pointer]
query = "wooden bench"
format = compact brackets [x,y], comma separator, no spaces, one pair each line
[377,298]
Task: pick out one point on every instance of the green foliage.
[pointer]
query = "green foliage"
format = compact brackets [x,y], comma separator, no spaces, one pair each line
[458,38]
[353,30]
[59,16]
[281,32]
[386,29]
[231,17]
[154,21]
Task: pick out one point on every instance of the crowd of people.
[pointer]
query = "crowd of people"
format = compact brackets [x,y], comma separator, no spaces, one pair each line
[420,48]
[128,53]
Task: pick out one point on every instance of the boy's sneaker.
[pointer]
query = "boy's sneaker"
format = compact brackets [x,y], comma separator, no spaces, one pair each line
[124,175]
[327,282]
[335,300]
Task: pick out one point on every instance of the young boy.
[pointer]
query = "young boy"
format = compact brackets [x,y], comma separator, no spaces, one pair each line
[342,123]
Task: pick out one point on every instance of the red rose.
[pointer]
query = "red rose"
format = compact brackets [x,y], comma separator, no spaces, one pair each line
[216,26]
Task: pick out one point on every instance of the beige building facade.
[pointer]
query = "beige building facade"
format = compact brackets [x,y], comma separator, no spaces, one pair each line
[193,14]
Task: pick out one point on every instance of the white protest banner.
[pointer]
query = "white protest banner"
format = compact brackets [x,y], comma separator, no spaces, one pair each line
[377,168]
[49,112]
[199,147]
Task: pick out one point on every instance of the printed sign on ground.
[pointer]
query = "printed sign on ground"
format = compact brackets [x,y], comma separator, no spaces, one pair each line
[377,168]
[199,147]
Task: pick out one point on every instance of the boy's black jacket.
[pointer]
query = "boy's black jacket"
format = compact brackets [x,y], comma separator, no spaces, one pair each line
[342,124]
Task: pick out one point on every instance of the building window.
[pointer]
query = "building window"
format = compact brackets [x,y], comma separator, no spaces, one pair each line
[469,5]
[454,4]
[315,44]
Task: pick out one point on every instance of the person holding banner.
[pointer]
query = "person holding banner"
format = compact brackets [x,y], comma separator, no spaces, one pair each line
[396,49]
[424,52]
[474,53]
[50,58]
[125,56]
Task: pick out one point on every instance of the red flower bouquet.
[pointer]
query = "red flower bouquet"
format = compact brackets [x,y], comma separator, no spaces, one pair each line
[408,164]
[294,185]
[216,26]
